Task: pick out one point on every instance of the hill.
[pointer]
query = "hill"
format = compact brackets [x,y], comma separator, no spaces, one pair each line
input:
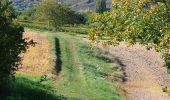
[88,5]
[78,5]
[70,2]
[21,5]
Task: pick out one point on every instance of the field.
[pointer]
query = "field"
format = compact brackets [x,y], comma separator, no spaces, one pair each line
[74,69]
[67,68]
[85,50]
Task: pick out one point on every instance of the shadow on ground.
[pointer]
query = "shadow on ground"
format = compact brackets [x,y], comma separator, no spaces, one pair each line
[25,89]
[58,56]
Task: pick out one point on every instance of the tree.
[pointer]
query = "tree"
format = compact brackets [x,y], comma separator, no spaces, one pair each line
[103,6]
[59,15]
[11,43]
[27,15]
[100,6]
[136,21]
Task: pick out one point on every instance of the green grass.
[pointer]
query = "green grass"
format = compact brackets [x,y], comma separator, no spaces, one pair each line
[82,73]
[29,88]
[78,29]
[94,70]
[75,30]
[35,26]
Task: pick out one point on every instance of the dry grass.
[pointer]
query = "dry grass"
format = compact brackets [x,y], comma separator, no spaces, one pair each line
[36,60]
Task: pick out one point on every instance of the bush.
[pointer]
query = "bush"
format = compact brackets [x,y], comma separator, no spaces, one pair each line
[11,43]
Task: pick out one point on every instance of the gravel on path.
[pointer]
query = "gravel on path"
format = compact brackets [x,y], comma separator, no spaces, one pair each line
[144,72]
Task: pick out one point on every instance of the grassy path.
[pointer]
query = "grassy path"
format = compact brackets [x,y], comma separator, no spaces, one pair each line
[82,73]
[70,80]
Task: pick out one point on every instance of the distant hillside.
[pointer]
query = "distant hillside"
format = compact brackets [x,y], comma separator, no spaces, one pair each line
[20,5]
[78,5]
[70,2]
[88,5]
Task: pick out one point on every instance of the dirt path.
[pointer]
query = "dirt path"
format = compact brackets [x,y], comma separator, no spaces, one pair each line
[144,72]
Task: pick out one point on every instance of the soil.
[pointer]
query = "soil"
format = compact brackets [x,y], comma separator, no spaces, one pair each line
[144,70]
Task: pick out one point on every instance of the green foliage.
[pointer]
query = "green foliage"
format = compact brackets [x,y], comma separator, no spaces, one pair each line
[33,15]
[28,88]
[100,6]
[51,13]
[11,43]
[35,26]
[76,29]
[143,21]
[28,14]
[58,15]
[80,29]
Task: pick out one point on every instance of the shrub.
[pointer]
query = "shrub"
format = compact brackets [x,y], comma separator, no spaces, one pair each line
[11,43]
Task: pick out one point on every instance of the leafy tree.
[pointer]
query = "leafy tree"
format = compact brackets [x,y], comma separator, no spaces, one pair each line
[28,14]
[11,43]
[136,21]
[58,15]
[100,6]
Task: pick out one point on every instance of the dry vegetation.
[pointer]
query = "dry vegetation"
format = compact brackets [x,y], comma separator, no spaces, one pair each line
[36,60]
